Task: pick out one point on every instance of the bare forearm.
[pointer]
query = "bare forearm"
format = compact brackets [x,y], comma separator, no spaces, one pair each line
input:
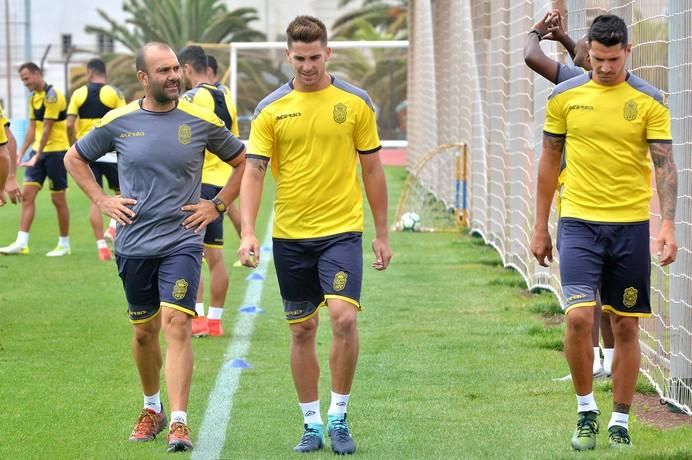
[230,191]
[82,175]
[548,173]
[666,178]
[251,194]
[375,185]
[569,45]
[12,150]
[4,169]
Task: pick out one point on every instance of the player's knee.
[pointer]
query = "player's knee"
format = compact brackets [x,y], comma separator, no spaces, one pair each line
[304,332]
[580,321]
[145,336]
[176,324]
[344,324]
[626,328]
[59,199]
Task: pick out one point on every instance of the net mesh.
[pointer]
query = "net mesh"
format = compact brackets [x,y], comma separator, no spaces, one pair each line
[468,84]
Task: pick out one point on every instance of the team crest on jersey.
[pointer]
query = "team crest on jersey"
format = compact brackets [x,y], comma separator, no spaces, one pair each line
[630,111]
[51,98]
[629,299]
[180,289]
[340,113]
[340,280]
[184,134]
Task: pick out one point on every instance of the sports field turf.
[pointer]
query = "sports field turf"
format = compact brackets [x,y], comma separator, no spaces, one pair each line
[455,363]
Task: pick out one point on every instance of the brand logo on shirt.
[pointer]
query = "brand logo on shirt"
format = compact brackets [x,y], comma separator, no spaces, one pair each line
[340,113]
[184,134]
[629,299]
[180,289]
[131,134]
[630,110]
[580,107]
[340,280]
[283,116]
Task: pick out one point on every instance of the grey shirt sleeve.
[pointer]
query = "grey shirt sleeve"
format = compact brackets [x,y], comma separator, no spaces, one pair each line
[566,71]
[95,144]
[223,144]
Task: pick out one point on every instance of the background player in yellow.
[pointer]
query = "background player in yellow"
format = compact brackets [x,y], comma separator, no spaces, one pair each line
[47,135]
[11,189]
[193,60]
[315,130]
[4,158]
[87,105]
[611,124]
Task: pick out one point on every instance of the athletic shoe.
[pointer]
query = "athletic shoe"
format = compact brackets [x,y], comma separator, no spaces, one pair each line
[215,327]
[109,236]
[105,254]
[59,251]
[179,438]
[148,425]
[342,442]
[15,249]
[312,440]
[619,437]
[200,328]
[584,437]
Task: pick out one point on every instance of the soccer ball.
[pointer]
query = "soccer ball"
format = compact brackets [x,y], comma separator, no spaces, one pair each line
[410,222]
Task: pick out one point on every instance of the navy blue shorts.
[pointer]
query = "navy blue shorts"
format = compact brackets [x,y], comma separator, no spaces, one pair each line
[102,169]
[614,257]
[213,236]
[51,165]
[169,281]
[311,271]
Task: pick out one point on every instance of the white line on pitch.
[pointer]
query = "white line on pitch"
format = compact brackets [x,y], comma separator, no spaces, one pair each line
[212,431]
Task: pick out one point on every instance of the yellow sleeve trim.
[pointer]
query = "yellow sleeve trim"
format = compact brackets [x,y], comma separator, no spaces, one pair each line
[117,113]
[200,112]
[610,309]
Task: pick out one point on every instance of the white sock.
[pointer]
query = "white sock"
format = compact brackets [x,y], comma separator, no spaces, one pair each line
[178,416]
[620,419]
[608,359]
[339,404]
[199,308]
[101,244]
[112,223]
[311,412]
[64,241]
[586,403]
[596,359]
[153,402]
[215,312]
[22,239]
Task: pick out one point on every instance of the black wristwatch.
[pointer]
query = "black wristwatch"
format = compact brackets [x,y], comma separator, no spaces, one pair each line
[220,205]
[538,34]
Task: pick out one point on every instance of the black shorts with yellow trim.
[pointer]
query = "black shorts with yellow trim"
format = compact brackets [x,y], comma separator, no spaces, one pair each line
[170,281]
[109,171]
[614,258]
[213,235]
[50,165]
[312,271]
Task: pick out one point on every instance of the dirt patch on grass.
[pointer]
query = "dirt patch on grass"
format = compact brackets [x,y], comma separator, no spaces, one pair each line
[649,410]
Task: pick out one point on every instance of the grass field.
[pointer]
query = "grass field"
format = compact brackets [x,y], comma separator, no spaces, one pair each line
[456,359]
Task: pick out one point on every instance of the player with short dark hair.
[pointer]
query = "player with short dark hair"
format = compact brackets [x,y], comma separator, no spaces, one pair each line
[193,60]
[315,130]
[160,141]
[47,135]
[88,104]
[606,120]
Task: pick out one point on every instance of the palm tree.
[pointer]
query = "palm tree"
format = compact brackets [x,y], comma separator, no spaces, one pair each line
[175,22]
[382,72]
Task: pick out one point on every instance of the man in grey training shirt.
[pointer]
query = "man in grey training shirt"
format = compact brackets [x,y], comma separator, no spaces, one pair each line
[160,142]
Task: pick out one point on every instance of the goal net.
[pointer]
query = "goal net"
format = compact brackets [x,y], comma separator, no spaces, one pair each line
[468,83]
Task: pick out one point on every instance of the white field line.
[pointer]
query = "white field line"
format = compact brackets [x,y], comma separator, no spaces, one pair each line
[212,431]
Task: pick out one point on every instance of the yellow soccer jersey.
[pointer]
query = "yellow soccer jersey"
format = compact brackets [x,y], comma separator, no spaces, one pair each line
[3,122]
[607,132]
[91,102]
[313,140]
[215,171]
[49,104]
